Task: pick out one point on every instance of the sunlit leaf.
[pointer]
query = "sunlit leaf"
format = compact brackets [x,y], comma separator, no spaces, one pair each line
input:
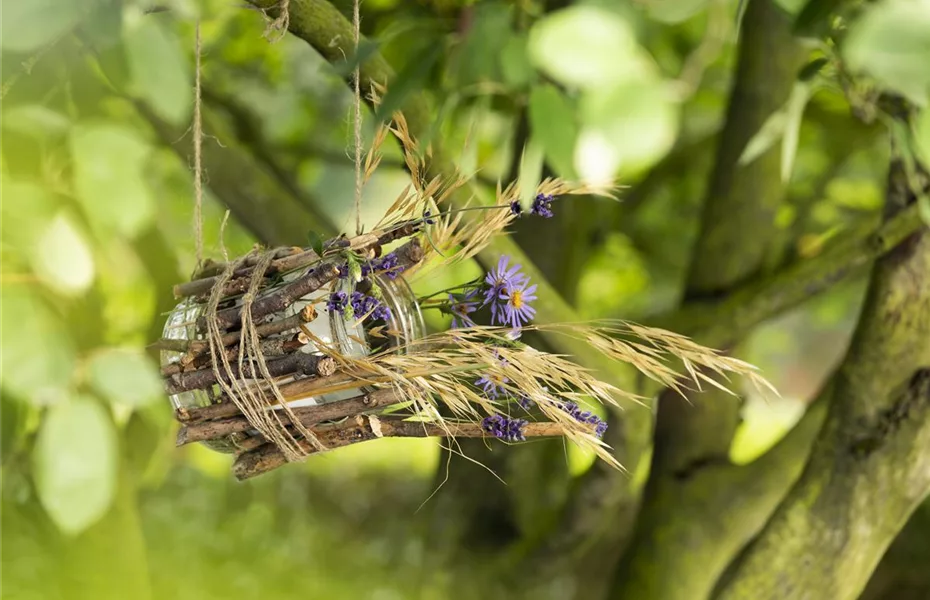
[26,210]
[124,376]
[891,43]
[794,113]
[674,11]
[109,177]
[530,172]
[771,131]
[587,46]
[922,136]
[552,123]
[923,207]
[62,259]
[639,120]
[160,71]
[38,355]
[27,25]
[75,462]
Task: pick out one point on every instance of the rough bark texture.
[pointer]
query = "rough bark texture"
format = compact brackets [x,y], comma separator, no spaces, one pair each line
[870,467]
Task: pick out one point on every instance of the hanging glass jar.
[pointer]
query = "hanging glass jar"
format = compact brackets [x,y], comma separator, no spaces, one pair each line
[347,334]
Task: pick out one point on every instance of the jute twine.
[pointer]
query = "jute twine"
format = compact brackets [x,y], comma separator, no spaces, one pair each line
[253,398]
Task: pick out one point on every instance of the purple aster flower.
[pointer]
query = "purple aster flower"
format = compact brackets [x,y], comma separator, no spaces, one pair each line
[502,278]
[542,206]
[514,307]
[461,306]
[337,302]
[516,208]
[505,428]
[492,385]
[584,416]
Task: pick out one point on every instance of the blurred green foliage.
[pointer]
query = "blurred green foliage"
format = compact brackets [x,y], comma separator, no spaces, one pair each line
[96,212]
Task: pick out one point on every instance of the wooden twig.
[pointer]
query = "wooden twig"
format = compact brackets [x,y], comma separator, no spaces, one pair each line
[270,348]
[298,362]
[286,259]
[307,415]
[362,429]
[278,301]
[407,255]
[195,348]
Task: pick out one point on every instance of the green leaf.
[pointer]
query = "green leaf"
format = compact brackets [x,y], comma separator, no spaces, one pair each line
[109,177]
[531,164]
[35,120]
[75,462]
[811,69]
[159,70]
[675,11]
[800,94]
[923,207]
[792,7]
[627,127]
[588,46]
[479,56]
[515,62]
[316,242]
[922,136]
[412,78]
[26,210]
[552,123]
[125,376]
[891,43]
[814,17]
[62,259]
[27,25]
[771,131]
[38,355]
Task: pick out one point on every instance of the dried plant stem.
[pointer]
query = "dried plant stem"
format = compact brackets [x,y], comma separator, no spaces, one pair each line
[308,416]
[298,362]
[362,429]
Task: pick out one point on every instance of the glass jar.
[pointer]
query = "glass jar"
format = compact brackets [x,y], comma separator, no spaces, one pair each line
[348,336]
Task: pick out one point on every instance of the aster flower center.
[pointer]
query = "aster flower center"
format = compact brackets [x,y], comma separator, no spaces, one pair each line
[516,298]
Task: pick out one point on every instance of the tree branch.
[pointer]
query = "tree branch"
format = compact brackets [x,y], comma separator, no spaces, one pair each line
[869,468]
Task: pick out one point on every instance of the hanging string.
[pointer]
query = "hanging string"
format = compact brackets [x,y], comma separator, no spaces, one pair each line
[197,132]
[356,22]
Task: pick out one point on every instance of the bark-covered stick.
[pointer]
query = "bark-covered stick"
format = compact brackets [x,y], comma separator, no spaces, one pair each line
[270,348]
[196,348]
[307,415]
[287,259]
[295,390]
[362,429]
[298,362]
[407,255]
